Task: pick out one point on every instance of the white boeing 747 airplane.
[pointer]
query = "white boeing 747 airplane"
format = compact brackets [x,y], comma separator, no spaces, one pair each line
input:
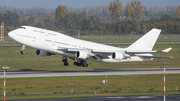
[50,42]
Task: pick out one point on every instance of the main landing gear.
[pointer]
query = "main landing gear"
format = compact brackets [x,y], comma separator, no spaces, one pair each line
[78,63]
[81,63]
[65,62]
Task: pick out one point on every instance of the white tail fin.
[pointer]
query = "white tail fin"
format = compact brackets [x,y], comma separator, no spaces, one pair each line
[147,41]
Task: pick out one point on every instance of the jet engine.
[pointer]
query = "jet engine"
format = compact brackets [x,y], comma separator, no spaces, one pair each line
[81,54]
[117,56]
[43,53]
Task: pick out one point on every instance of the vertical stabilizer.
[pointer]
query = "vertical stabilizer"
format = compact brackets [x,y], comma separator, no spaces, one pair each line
[147,41]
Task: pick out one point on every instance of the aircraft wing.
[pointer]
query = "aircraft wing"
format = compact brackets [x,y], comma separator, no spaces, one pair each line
[104,54]
[93,54]
[139,53]
[79,49]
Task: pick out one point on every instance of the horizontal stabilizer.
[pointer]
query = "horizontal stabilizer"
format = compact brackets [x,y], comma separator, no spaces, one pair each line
[167,50]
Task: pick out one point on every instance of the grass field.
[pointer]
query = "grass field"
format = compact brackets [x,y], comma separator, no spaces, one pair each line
[7,41]
[10,55]
[148,84]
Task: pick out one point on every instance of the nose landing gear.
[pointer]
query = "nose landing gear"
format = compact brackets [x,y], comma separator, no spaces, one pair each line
[23,48]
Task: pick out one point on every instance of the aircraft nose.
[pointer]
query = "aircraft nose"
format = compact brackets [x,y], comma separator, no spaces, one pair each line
[10,34]
[14,35]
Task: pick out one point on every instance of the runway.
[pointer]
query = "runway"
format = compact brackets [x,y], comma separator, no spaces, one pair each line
[94,72]
[119,98]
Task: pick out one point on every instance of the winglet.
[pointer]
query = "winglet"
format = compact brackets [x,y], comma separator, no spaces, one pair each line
[167,50]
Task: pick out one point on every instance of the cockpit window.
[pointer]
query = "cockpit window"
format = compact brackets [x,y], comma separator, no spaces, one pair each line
[22,27]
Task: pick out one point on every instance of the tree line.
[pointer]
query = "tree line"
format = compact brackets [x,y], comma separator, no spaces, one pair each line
[134,18]
[167,24]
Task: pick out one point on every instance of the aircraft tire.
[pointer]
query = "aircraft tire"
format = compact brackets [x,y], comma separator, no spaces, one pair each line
[64,60]
[66,64]
[85,65]
[22,52]
[79,64]
[75,63]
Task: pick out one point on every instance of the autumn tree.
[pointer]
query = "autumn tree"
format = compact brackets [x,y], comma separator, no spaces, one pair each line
[178,12]
[153,9]
[49,22]
[31,21]
[115,10]
[171,8]
[86,9]
[128,12]
[73,32]
[10,19]
[60,12]
[144,8]
[137,11]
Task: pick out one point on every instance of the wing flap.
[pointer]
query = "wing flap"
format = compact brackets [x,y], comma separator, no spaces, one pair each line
[146,51]
[148,56]
[139,51]
[62,49]
[70,49]
[102,51]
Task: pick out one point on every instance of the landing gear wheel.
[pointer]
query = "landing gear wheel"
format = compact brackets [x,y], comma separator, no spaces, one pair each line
[79,64]
[85,65]
[66,64]
[23,48]
[75,63]
[22,52]
[64,60]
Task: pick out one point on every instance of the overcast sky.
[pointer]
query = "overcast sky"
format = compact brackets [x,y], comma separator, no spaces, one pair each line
[81,3]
